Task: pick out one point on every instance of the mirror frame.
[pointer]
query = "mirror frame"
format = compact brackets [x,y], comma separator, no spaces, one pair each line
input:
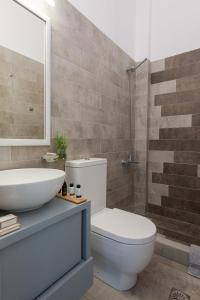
[47,84]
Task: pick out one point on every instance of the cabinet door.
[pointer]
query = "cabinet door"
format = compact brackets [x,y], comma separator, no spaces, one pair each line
[30,266]
[73,285]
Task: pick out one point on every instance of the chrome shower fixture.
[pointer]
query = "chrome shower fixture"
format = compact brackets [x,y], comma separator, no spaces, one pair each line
[129,161]
[134,68]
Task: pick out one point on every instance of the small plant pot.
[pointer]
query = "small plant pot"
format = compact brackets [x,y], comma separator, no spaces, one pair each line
[61,153]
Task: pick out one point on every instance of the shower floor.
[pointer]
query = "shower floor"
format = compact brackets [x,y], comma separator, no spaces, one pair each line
[177,230]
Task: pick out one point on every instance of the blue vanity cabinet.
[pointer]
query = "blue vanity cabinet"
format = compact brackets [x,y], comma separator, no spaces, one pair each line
[49,257]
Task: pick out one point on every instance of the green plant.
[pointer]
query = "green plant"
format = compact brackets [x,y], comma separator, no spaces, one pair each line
[61,145]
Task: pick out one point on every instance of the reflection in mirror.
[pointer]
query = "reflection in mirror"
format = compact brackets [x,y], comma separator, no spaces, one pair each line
[22,72]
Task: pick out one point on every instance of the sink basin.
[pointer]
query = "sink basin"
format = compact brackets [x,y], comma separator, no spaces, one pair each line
[28,189]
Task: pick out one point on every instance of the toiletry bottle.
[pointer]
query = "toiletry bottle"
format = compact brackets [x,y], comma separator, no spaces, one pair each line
[71,189]
[78,191]
[64,189]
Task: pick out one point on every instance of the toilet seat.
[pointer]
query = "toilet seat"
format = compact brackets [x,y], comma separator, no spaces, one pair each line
[124,227]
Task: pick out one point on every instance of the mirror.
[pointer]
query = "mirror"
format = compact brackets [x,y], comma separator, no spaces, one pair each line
[24,76]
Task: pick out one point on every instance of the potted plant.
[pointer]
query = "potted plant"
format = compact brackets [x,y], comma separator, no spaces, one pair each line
[61,146]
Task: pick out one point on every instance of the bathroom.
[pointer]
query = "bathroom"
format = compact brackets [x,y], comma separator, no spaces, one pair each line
[122,84]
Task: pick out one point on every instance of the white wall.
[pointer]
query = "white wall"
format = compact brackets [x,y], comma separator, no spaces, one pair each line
[175,27]
[166,27]
[143,29]
[115,18]
[21,31]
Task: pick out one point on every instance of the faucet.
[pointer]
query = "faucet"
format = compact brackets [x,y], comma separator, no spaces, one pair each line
[129,161]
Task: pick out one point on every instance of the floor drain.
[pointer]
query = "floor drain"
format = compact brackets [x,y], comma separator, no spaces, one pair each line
[178,295]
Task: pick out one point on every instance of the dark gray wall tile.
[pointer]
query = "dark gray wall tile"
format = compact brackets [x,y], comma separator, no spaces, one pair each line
[175,73]
[179,203]
[182,59]
[184,193]
[177,145]
[180,109]
[187,157]
[176,180]
[196,120]
[180,169]
[174,98]
[192,133]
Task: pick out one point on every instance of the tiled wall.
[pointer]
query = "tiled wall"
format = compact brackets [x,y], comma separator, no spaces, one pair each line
[140,146]
[174,146]
[21,96]
[90,100]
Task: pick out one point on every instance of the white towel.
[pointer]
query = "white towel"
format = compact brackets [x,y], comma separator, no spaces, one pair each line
[194,259]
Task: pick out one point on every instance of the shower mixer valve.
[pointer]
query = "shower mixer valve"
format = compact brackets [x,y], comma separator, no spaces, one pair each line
[128,162]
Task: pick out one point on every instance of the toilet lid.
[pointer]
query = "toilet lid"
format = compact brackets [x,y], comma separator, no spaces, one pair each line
[122,226]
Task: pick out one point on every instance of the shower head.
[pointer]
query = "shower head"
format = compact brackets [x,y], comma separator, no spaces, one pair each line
[134,68]
[131,69]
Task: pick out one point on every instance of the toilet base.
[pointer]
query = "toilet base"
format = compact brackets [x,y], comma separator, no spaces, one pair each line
[112,276]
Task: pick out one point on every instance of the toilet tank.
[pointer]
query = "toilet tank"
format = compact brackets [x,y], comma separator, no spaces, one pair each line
[91,174]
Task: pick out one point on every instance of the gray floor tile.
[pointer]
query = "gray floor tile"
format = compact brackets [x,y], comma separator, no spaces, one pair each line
[155,283]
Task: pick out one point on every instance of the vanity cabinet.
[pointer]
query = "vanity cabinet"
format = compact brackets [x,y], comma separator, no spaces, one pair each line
[49,257]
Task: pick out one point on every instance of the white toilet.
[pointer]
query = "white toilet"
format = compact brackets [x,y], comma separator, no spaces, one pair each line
[122,242]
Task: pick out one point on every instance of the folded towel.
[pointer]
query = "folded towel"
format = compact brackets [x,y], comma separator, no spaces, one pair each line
[194,259]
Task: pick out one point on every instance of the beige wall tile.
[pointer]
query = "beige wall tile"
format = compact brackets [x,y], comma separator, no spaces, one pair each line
[161,156]
[176,121]
[158,65]
[188,83]
[154,133]
[155,112]
[90,99]
[139,203]
[198,170]
[140,145]
[155,191]
[163,87]
[5,154]
[155,166]
[154,199]
[141,133]
[141,156]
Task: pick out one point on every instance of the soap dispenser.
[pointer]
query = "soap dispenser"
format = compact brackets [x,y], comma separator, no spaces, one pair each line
[71,189]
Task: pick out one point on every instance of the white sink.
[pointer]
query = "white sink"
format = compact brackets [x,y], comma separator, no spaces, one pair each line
[27,189]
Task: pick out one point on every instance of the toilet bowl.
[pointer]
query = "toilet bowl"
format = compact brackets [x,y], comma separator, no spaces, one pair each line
[122,243]
[122,246]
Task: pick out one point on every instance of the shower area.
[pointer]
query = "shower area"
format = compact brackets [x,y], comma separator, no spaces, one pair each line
[165,154]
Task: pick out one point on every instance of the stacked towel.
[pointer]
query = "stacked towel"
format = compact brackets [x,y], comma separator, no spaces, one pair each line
[194,259]
[50,157]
